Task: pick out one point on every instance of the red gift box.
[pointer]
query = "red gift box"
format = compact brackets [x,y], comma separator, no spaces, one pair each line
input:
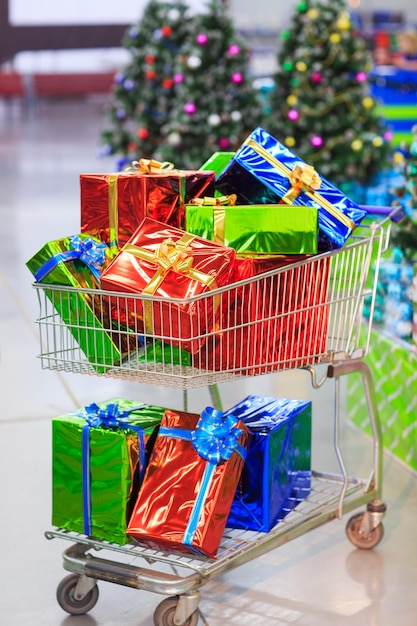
[276,322]
[190,482]
[113,205]
[168,263]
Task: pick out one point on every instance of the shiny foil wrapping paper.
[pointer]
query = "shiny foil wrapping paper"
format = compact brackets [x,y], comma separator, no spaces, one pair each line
[278,322]
[94,483]
[87,321]
[255,230]
[135,269]
[279,454]
[263,171]
[172,492]
[119,202]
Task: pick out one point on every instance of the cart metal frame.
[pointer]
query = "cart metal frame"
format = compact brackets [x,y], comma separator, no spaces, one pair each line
[353,272]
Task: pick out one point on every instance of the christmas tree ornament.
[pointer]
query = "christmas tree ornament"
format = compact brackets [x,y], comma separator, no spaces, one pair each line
[289,141]
[287,66]
[236,78]
[193,62]
[129,84]
[302,7]
[357,144]
[133,32]
[166,31]
[285,34]
[361,77]
[201,39]
[316,77]
[178,78]
[236,116]
[157,33]
[190,108]
[316,141]
[368,102]
[214,119]
[301,66]
[335,38]
[120,113]
[233,50]
[150,59]
[174,139]
[119,78]
[143,133]
[292,100]
[293,115]
[343,23]
[173,15]
[224,143]
[150,74]
[313,14]
[167,83]
[377,142]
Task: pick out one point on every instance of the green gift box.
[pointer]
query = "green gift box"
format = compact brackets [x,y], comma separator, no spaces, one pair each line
[217,162]
[99,456]
[255,230]
[77,262]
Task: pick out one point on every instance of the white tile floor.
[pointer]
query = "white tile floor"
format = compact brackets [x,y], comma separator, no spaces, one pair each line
[318,579]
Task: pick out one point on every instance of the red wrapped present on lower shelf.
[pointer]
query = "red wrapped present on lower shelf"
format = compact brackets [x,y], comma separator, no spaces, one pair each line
[175,267]
[190,482]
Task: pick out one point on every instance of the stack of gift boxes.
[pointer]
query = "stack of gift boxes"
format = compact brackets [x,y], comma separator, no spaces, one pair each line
[170,479]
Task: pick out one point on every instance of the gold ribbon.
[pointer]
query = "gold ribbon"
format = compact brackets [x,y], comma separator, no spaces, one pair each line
[113,214]
[216,201]
[309,191]
[302,178]
[170,256]
[148,166]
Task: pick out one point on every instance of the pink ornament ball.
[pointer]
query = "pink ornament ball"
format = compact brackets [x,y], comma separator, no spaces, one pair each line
[178,78]
[233,50]
[361,77]
[388,135]
[316,141]
[316,77]
[190,108]
[201,39]
[237,78]
[224,142]
[293,115]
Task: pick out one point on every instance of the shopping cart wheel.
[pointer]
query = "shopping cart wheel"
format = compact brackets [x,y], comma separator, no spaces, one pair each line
[165,613]
[65,595]
[361,539]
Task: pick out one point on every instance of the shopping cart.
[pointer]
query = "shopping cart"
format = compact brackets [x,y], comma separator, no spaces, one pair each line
[304,315]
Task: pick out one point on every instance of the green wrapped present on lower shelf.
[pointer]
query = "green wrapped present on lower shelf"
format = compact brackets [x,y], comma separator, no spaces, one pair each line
[99,457]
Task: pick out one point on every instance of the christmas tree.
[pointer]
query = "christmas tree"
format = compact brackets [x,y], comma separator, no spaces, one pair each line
[321,108]
[145,89]
[404,234]
[216,106]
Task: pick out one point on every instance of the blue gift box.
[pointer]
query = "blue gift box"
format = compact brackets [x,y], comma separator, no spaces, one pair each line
[263,171]
[277,471]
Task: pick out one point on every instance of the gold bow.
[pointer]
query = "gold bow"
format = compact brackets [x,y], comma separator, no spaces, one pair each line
[149,166]
[170,256]
[302,178]
[216,201]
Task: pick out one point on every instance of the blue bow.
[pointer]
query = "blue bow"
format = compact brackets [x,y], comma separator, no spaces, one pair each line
[109,417]
[216,436]
[89,251]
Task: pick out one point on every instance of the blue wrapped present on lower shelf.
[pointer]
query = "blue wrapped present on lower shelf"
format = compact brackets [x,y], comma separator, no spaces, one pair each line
[277,471]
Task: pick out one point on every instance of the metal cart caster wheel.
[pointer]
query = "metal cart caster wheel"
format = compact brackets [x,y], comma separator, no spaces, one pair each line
[361,539]
[165,613]
[65,595]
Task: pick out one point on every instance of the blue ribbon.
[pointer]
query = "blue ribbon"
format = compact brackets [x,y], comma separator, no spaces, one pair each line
[215,439]
[87,250]
[111,418]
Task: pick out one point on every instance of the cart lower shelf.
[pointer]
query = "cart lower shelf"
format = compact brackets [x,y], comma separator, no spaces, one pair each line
[237,547]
